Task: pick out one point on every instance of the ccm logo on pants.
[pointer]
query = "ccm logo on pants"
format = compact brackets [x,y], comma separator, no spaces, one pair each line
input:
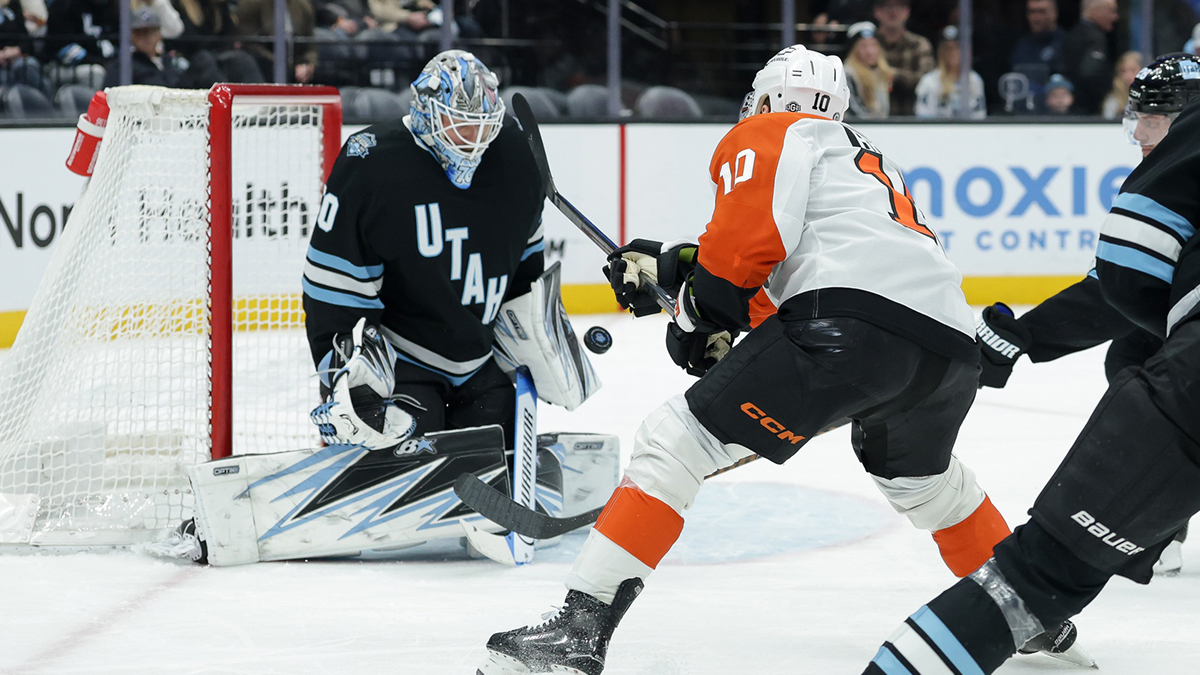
[770,423]
[1106,535]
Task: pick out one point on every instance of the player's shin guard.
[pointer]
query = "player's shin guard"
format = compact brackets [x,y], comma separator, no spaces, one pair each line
[631,536]
[963,630]
[968,544]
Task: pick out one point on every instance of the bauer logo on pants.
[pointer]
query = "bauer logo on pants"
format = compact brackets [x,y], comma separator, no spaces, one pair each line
[1106,535]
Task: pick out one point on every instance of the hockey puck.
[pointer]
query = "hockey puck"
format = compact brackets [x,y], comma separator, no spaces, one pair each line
[597,340]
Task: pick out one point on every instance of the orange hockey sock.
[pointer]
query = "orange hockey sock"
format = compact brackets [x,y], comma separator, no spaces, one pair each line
[969,544]
[646,527]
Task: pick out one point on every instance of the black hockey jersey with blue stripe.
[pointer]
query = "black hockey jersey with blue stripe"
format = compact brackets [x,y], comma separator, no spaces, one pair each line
[429,262]
[1148,258]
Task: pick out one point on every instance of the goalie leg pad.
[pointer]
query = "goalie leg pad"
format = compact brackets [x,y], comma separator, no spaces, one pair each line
[533,330]
[341,500]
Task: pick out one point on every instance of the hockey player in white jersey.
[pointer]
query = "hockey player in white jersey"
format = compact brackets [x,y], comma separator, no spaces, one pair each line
[856,313]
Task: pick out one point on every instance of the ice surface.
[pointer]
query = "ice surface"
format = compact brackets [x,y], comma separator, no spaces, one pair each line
[795,569]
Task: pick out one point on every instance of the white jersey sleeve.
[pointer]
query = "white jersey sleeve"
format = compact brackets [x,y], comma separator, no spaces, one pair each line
[812,212]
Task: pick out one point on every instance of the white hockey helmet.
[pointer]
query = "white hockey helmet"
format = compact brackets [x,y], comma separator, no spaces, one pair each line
[799,80]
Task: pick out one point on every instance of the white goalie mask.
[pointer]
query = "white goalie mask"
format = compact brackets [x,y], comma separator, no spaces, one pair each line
[799,80]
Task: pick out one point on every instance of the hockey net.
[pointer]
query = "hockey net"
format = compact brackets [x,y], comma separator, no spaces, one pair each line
[168,327]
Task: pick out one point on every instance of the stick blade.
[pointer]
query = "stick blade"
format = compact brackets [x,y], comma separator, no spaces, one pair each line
[497,507]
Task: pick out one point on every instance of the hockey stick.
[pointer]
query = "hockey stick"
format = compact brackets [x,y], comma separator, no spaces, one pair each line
[497,507]
[514,548]
[529,124]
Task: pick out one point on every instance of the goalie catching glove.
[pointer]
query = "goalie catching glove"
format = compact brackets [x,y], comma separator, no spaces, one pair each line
[693,343]
[360,409]
[666,265]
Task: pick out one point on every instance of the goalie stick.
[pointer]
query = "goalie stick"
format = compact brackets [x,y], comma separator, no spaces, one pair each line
[529,124]
[497,507]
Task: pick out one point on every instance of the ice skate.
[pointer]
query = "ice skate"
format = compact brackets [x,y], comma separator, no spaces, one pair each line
[1060,644]
[573,641]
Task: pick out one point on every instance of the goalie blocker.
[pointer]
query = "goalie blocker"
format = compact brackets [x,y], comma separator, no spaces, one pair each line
[343,500]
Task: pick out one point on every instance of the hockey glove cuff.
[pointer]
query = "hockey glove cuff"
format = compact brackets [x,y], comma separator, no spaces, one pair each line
[1002,340]
[360,410]
[666,265]
[693,343]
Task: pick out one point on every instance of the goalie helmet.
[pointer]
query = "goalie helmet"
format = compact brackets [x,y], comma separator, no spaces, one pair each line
[1157,94]
[456,112]
[799,80]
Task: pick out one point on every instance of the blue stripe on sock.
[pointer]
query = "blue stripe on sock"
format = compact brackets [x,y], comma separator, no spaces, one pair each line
[945,641]
[888,662]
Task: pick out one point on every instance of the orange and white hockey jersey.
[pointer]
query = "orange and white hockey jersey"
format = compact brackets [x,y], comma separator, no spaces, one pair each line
[810,211]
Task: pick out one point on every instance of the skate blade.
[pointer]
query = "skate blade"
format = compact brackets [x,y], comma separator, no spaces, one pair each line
[502,664]
[1075,655]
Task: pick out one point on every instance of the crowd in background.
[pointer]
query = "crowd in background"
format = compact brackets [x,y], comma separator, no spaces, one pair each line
[902,57]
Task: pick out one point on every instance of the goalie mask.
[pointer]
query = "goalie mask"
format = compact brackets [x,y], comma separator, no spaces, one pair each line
[456,112]
[799,80]
[1157,94]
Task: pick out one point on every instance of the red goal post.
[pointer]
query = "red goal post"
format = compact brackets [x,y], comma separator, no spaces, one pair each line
[222,98]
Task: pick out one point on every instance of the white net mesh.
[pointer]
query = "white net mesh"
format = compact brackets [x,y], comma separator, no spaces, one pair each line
[105,396]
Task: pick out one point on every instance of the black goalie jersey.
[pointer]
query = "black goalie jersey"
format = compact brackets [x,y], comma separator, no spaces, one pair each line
[396,242]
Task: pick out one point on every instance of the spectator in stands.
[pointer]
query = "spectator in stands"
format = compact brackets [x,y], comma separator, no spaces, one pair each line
[1038,53]
[1126,71]
[909,55]
[1192,46]
[35,17]
[1060,95]
[16,64]
[867,72]
[78,31]
[344,17]
[256,18]
[839,13]
[1086,60]
[172,24]
[938,91]
[411,17]
[148,65]
[208,27]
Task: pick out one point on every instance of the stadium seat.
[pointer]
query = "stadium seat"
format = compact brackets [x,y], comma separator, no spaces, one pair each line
[542,105]
[21,101]
[717,106]
[588,100]
[666,102]
[369,104]
[72,99]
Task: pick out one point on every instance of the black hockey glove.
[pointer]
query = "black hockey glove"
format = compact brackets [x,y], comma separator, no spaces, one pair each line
[664,264]
[1002,340]
[693,343]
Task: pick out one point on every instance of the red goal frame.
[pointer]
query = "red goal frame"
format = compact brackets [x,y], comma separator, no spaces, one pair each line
[222,98]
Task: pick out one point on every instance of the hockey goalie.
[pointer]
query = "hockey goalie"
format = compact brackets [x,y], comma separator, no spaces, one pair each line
[378,485]
[434,325]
